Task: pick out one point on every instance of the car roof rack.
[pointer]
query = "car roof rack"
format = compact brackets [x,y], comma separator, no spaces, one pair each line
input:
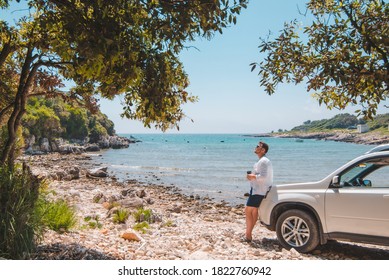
[379,148]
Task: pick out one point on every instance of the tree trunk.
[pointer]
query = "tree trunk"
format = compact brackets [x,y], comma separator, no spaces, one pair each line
[19,108]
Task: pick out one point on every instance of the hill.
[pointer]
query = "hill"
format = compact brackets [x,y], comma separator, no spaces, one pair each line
[342,128]
[343,121]
[51,123]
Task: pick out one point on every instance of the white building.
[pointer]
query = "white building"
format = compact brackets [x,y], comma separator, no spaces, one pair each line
[362,128]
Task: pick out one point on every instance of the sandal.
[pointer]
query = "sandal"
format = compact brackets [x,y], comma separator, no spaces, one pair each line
[245,239]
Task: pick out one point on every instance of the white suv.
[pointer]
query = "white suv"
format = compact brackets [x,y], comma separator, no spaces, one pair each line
[352,204]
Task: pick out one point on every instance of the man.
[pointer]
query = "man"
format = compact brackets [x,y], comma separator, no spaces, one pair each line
[261,178]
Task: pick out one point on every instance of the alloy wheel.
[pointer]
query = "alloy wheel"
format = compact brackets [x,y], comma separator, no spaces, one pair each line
[295,231]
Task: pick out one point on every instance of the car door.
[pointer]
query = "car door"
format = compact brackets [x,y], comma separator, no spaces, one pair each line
[360,204]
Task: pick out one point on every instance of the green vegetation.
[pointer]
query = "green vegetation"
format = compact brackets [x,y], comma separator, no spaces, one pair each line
[143,215]
[102,49]
[93,222]
[52,118]
[380,122]
[56,215]
[120,216]
[142,227]
[342,55]
[344,121]
[20,226]
[168,223]
[341,121]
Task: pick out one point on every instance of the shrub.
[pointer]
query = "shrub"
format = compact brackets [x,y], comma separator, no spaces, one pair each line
[143,215]
[93,221]
[57,215]
[121,216]
[169,223]
[20,227]
[141,227]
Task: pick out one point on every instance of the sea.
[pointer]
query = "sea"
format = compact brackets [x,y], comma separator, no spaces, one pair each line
[215,165]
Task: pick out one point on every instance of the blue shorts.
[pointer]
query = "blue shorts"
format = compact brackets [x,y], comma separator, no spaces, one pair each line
[254,200]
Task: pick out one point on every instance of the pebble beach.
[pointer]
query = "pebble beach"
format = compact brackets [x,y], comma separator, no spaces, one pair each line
[182,227]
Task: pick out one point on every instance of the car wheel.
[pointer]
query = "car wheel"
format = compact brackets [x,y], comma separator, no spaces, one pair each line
[297,229]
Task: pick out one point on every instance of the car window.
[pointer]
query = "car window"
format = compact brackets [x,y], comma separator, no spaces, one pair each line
[379,178]
[354,172]
[373,173]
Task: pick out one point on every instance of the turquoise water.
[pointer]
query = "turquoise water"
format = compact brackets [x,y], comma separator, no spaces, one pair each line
[215,165]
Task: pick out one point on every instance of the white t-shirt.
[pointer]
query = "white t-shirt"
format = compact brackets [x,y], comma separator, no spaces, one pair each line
[263,170]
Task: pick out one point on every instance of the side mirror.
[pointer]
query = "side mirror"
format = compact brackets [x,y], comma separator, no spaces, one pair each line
[367,183]
[335,182]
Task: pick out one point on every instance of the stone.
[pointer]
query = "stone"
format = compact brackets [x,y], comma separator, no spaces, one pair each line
[130,236]
[131,202]
[199,255]
[45,145]
[98,172]
[184,234]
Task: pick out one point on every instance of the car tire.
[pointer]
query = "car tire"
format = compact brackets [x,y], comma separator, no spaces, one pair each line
[297,229]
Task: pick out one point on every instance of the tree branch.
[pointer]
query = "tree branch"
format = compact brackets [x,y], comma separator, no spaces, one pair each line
[365,35]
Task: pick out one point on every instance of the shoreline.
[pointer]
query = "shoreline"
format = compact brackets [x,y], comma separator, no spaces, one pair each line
[368,138]
[184,227]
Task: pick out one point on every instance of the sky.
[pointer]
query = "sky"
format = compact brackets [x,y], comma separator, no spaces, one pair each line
[230,97]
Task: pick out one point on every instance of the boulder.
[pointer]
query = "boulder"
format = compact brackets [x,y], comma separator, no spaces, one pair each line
[92,148]
[45,145]
[100,172]
[132,202]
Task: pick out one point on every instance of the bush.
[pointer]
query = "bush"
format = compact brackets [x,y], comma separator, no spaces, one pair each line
[20,227]
[121,216]
[143,215]
[57,215]
[93,221]
[141,227]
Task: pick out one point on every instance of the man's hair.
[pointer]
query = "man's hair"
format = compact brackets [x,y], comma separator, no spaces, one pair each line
[265,146]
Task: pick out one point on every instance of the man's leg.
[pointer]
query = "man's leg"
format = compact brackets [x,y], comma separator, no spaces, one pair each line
[251,220]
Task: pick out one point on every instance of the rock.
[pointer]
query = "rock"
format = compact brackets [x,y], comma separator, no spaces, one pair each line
[130,236]
[70,149]
[99,172]
[114,198]
[141,193]
[92,148]
[131,202]
[56,143]
[117,142]
[74,193]
[73,173]
[106,205]
[199,255]
[99,198]
[176,208]
[180,227]
[45,145]
[294,252]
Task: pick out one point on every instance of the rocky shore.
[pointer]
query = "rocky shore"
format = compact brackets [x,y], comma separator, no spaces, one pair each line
[180,228]
[59,145]
[370,138]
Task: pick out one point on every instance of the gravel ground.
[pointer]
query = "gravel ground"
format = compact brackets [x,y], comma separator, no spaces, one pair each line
[185,228]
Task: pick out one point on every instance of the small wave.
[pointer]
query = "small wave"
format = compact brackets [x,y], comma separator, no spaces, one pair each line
[153,168]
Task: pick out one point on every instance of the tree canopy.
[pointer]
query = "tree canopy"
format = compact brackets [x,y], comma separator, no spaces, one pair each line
[343,55]
[104,48]
[53,118]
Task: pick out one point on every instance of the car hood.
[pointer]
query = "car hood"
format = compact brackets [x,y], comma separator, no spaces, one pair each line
[296,186]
